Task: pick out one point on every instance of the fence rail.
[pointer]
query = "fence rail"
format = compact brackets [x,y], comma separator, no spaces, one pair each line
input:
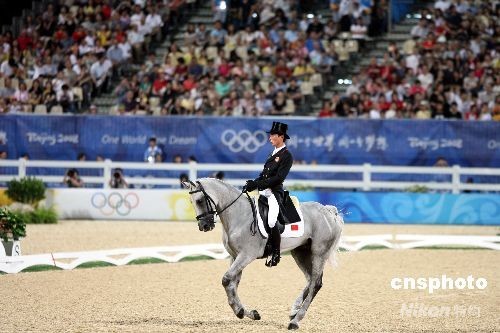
[451,178]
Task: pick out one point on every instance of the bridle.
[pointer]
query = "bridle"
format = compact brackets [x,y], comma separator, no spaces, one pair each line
[208,215]
[209,202]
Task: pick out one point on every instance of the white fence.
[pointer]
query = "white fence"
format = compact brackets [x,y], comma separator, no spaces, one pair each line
[450,178]
[118,257]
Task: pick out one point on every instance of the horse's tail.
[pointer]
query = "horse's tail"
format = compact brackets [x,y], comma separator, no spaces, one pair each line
[339,225]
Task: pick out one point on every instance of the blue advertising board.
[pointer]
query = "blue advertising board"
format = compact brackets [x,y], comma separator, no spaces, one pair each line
[244,140]
[411,208]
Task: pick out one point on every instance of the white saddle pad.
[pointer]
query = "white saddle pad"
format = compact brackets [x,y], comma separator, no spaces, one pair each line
[292,230]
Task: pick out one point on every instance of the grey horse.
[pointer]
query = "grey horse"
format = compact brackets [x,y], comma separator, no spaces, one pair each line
[323,228]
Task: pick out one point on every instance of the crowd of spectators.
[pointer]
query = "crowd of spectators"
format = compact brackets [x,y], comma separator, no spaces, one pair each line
[447,69]
[68,54]
[261,57]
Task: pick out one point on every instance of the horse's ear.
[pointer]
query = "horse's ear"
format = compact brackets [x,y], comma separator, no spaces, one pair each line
[186,184]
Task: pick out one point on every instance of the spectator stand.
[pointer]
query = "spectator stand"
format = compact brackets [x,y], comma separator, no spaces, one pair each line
[438,63]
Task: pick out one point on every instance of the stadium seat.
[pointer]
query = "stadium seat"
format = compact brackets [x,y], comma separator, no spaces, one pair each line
[248,84]
[156,111]
[338,44]
[40,109]
[56,109]
[242,52]
[352,46]
[113,110]
[154,102]
[343,55]
[15,83]
[28,83]
[316,80]
[264,85]
[306,88]
[290,107]
[28,108]
[212,52]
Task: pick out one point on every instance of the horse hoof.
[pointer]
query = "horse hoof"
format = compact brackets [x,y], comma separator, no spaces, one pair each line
[255,315]
[241,313]
[293,326]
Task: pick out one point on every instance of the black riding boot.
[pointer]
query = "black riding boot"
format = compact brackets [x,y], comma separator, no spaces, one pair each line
[276,241]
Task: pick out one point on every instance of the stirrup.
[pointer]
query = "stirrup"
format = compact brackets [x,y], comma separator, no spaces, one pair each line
[274,260]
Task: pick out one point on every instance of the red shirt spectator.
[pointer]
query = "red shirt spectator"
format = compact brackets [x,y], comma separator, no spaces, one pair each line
[106,12]
[225,69]
[373,69]
[159,85]
[24,41]
[78,35]
[281,70]
[416,89]
[189,83]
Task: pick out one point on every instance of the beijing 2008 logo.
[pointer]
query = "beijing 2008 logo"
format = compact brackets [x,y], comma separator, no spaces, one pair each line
[243,140]
[115,202]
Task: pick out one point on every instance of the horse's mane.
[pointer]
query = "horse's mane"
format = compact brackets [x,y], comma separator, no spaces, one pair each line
[220,181]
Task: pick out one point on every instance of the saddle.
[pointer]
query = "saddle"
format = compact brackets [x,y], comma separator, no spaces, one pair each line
[287,215]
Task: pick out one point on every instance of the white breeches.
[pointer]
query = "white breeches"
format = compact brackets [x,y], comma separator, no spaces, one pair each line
[274,208]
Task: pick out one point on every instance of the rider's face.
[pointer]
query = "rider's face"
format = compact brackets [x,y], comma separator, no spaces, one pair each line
[276,140]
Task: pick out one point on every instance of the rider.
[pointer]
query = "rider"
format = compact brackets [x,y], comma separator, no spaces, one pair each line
[270,182]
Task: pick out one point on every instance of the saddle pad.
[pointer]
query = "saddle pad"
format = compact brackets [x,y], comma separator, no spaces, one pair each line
[292,230]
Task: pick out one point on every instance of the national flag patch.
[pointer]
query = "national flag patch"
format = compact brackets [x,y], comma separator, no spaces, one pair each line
[294,227]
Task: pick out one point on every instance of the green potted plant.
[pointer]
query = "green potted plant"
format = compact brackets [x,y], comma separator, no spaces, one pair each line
[12,227]
[27,190]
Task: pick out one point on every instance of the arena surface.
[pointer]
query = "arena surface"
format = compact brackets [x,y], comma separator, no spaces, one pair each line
[188,296]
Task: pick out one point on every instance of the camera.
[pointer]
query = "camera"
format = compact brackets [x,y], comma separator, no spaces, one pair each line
[117,175]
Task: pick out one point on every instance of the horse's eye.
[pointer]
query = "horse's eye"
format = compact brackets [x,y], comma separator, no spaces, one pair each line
[198,201]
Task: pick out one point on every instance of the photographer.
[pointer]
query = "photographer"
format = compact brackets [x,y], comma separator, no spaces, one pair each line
[72,178]
[118,181]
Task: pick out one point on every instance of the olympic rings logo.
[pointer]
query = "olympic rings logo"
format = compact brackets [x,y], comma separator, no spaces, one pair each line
[243,140]
[115,202]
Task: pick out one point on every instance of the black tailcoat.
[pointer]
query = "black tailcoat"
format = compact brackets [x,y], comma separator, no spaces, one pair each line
[275,171]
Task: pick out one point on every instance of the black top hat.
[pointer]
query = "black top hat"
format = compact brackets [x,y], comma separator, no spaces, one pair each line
[279,128]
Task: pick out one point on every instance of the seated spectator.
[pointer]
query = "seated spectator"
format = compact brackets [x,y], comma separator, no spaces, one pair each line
[358,29]
[279,104]
[65,98]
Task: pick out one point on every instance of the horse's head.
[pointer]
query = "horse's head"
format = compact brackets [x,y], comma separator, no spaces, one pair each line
[204,205]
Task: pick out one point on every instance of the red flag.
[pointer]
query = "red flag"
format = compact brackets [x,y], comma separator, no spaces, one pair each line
[294,227]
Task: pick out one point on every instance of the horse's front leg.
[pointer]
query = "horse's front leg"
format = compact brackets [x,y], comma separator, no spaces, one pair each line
[231,280]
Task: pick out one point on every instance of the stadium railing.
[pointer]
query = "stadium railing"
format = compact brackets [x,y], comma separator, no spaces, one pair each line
[366,177]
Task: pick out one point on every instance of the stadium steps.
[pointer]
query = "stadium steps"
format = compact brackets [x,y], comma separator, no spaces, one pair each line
[203,12]
[375,48]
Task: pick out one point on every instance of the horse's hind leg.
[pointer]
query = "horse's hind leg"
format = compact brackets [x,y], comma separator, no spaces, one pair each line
[231,280]
[302,256]
[315,284]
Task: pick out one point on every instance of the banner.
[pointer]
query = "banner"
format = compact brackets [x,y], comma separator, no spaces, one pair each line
[411,208]
[366,207]
[244,140]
